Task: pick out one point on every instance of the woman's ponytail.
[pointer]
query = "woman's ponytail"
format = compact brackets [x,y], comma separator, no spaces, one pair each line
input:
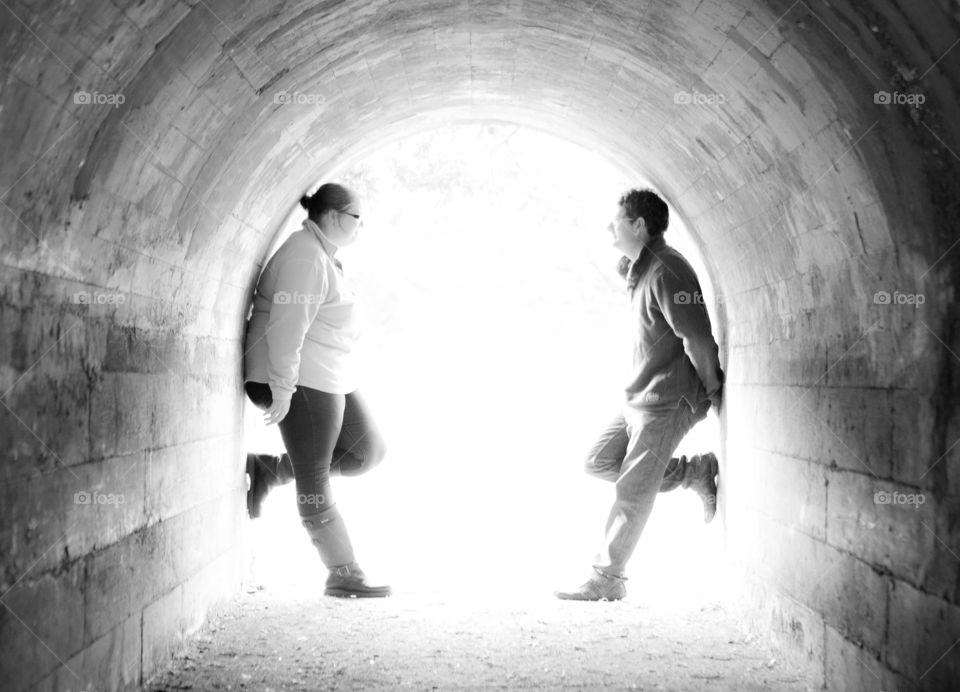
[328,196]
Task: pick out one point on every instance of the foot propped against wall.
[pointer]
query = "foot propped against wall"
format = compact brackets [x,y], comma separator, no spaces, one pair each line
[265,471]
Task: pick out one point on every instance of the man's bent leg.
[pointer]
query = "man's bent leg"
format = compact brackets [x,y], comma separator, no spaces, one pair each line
[606,457]
[654,435]
[650,438]
[699,473]
[674,474]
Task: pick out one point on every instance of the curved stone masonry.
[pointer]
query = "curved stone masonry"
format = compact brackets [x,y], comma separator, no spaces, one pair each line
[151,151]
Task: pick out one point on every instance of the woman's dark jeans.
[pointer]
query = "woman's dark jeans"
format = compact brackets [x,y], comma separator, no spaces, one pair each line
[324,434]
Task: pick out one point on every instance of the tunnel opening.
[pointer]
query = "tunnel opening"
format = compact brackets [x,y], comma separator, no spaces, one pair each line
[498,338]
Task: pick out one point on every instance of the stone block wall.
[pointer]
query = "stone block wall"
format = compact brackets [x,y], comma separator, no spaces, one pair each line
[153,149]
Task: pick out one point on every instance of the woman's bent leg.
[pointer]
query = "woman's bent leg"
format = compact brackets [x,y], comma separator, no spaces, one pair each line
[360,446]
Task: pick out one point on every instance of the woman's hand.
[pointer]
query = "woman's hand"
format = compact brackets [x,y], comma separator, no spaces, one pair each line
[277,412]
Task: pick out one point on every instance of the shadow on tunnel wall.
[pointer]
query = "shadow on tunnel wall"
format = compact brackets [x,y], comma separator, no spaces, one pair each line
[152,150]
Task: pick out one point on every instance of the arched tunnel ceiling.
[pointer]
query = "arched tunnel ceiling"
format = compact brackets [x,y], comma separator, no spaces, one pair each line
[758,119]
[196,169]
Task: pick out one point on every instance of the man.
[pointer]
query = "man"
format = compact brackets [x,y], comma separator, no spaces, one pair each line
[676,377]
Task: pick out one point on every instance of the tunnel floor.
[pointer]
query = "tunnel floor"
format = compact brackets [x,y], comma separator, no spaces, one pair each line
[265,641]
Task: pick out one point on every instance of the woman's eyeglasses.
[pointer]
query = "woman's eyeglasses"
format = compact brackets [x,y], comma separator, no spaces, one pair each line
[356,216]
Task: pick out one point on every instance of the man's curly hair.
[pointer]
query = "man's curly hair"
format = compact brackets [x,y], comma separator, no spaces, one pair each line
[649,205]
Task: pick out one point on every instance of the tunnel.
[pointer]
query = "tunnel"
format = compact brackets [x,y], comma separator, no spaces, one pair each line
[152,151]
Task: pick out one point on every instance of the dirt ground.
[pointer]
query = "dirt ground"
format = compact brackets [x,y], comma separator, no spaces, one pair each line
[473,579]
[427,641]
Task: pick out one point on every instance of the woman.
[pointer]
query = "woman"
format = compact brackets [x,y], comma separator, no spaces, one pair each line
[298,368]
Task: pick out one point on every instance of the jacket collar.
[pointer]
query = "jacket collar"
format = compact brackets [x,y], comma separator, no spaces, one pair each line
[649,250]
[313,228]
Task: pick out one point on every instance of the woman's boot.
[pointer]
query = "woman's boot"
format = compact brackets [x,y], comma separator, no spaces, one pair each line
[328,532]
[266,471]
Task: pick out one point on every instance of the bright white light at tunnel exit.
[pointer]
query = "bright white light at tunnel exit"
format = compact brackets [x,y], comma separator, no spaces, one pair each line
[495,349]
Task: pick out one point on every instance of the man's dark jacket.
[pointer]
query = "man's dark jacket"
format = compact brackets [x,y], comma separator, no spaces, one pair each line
[675,357]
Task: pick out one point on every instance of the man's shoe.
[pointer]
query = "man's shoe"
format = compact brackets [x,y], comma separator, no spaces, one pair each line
[349,581]
[600,587]
[702,477]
